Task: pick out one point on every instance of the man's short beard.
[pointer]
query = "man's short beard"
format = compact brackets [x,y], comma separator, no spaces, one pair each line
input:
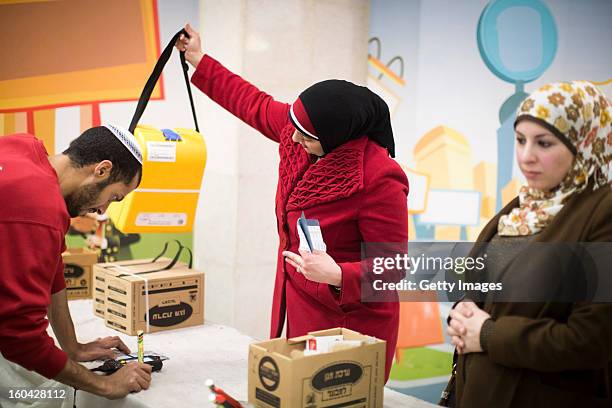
[81,199]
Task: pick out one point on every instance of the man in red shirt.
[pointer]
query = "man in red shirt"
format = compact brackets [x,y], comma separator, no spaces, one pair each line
[38,195]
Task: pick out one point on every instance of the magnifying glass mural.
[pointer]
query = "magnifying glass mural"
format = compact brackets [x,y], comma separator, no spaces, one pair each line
[517,40]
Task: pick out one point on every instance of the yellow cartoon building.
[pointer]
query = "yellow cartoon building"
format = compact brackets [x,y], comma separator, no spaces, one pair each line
[485,181]
[445,155]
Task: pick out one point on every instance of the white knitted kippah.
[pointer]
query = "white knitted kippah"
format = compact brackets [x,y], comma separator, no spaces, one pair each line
[127,138]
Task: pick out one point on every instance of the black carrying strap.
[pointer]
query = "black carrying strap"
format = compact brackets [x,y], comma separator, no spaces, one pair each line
[176,256]
[173,262]
[190,264]
[163,251]
[181,247]
[159,67]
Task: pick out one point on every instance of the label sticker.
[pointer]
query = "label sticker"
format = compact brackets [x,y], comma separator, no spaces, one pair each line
[344,384]
[267,398]
[337,375]
[73,270]
[166,316]
[161,152]
[269,374]
[161,219]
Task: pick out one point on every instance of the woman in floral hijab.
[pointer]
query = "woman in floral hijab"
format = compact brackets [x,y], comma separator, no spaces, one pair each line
[544,352]
[579,115]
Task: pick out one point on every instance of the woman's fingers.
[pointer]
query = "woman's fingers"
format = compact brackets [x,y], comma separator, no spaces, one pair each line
[189,29]
[292,263]
[293,259]
[181,43]
[457,342]
[451,331]
[293,256]
[458,327]
[457,315]
[465,308]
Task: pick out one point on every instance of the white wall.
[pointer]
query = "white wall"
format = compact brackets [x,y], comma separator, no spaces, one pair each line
[282,47]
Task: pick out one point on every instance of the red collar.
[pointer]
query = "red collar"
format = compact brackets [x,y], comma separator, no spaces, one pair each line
[336,176]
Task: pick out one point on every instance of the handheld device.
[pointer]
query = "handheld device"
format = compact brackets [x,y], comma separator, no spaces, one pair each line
[110,366]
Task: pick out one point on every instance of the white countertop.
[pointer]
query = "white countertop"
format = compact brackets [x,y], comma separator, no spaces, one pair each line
[195,354]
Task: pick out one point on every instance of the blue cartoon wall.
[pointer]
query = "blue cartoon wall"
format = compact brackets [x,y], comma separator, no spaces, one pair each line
[453,72]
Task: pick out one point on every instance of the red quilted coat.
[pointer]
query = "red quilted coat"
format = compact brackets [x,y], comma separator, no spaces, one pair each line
[357,193]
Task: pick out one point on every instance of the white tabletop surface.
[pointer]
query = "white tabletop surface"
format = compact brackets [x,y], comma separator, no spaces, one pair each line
[195,354]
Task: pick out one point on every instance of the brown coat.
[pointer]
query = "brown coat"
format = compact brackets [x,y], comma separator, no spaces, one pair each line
[546,354]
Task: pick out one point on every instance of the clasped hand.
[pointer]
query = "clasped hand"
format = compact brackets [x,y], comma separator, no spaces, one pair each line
[465,325]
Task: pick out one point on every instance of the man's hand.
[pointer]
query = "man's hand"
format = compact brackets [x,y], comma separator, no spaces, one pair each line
[63,328]
[134,377]
[100,349]
[465,325]
[94,241]
[317,266]
[84,224]
[192,46]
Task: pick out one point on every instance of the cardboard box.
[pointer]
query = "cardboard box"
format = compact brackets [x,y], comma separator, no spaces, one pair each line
[78,263]
[135,266]
[171,299]
[281,376]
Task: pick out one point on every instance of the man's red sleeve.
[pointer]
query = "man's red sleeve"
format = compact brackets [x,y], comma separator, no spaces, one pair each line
[59,282]
[29,265]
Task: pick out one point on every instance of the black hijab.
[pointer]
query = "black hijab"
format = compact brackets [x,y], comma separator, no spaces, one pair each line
[338,111]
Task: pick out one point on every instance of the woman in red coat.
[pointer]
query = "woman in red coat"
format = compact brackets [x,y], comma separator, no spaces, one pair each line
[334,145]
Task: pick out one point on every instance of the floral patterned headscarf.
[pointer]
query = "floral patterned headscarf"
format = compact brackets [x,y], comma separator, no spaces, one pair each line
[580,115]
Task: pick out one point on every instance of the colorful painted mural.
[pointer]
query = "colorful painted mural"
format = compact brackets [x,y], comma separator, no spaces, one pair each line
[465,67]
[78,61]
